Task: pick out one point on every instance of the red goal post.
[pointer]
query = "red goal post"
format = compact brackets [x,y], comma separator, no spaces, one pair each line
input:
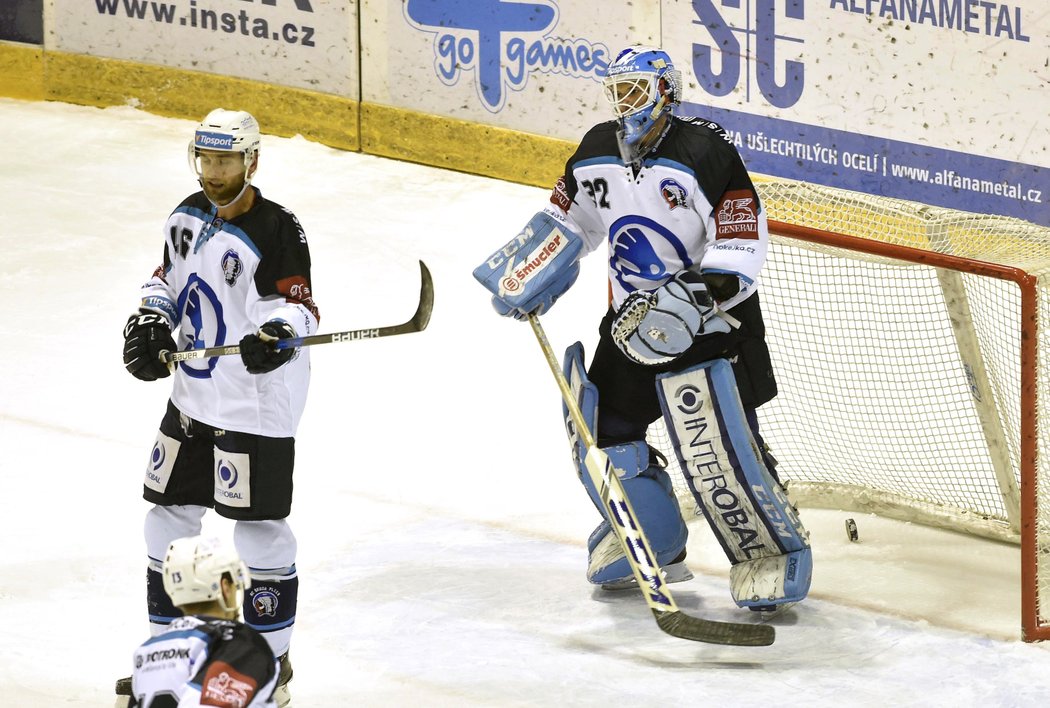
[907,344]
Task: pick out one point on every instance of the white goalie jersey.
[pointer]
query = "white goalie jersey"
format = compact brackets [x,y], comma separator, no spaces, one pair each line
[219,281]
[692,204]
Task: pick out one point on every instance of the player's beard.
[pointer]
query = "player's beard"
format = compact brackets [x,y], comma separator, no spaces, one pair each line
[225,193]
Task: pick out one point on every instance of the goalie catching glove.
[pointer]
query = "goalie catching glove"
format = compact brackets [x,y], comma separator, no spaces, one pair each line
[658,326]
[259,352]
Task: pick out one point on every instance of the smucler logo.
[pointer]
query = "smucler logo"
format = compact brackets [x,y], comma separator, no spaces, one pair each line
[502,44]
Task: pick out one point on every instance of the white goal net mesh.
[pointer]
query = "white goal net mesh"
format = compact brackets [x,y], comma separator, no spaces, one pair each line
[900,383]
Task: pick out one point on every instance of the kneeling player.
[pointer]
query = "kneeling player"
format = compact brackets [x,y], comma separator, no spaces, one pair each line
[207,656]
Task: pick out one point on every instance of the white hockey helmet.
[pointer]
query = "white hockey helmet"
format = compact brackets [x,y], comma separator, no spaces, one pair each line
[226,131]
[193,570]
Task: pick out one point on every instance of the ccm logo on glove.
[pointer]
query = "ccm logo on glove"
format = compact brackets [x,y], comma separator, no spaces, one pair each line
[146,336]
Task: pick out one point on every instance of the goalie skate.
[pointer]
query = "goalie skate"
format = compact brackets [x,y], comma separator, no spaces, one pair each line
[769,612]
[674,572]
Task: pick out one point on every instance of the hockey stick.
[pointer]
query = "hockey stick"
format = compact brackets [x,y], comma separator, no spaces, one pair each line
[635,544]
[418,323]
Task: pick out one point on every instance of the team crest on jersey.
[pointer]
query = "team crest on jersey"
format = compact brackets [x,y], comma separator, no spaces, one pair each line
[231,267]
[673,193]
[736,215]
[636,244]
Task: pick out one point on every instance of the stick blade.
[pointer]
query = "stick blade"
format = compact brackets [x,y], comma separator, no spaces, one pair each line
[426,299]
[678,624]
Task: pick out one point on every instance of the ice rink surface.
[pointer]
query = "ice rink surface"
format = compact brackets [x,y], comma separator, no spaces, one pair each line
[441,528]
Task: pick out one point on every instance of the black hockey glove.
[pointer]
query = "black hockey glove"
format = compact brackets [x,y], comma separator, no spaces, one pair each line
[146,335]
[258,352]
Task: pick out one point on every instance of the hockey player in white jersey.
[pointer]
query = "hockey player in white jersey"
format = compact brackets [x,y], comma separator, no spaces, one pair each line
[206,657]
[686,237]
[236,269]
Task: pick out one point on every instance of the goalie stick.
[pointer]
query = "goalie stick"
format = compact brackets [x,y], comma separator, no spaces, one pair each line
[418,323]
[635,544]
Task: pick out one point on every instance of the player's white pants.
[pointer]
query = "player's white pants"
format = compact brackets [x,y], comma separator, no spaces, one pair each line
[268,548]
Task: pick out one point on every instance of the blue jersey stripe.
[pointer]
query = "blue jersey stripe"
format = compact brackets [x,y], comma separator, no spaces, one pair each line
[229,228]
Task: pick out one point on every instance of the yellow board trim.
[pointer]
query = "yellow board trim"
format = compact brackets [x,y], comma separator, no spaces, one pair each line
[22,71]
[460,145]
[28,72]
[178,93]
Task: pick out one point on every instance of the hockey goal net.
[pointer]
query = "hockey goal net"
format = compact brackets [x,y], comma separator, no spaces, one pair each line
[909,348]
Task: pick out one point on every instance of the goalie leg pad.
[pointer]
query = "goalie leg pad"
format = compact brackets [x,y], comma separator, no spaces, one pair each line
[746,507]
[647,485]
[586,395]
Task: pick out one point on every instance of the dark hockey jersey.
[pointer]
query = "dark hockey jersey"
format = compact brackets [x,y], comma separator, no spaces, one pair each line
[204,661]
[221,280]
[692,203]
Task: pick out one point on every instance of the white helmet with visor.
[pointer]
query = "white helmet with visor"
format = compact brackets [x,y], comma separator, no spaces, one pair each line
[226,131]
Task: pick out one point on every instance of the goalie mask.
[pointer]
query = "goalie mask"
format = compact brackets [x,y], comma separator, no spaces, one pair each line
[643,87]
[193,570]
[226,147]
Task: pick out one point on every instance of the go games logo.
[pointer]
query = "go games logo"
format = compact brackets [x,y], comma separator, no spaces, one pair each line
[502,44]
[762,27]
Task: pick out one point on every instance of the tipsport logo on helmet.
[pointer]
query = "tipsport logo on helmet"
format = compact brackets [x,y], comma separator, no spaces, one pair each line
[502,44]
[213,141]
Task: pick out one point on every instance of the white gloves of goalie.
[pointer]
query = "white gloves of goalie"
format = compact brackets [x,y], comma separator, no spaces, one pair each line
[657,326]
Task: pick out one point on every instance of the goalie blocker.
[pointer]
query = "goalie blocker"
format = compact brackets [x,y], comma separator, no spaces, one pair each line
[534,269]
[744,504]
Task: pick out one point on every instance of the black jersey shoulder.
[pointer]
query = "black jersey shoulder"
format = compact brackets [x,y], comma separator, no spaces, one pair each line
[197,201]
[697,144]
[270,226]
[598,142]
[239,646]
[704,148]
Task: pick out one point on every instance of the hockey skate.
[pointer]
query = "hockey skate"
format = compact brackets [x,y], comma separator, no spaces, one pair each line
[769,612]
[674,572]
[123,691]
[281,694]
